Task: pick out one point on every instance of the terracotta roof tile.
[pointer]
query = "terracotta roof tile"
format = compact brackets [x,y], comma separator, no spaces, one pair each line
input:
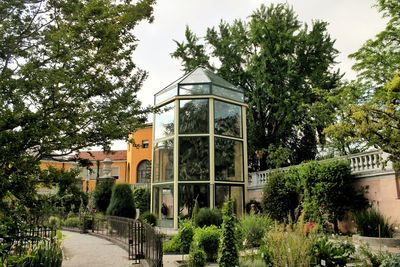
[100,155]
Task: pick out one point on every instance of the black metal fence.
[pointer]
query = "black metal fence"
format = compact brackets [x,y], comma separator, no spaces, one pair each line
[28,239]
[137,237]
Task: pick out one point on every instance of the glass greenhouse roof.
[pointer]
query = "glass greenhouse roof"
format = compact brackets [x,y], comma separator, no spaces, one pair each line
[200,82]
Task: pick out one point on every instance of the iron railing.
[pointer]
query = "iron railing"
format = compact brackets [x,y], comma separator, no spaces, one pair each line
[137,237]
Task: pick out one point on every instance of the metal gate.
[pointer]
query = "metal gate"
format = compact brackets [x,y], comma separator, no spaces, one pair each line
[136,240]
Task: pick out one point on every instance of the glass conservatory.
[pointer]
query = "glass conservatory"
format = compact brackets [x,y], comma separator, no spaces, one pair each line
[199,148]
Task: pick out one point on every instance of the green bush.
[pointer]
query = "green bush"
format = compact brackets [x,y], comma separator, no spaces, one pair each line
[207,239]
[122,203]
[207,217]
[280,197]
[55,221]
[181,242]
[73,222]
[197,257]
[46,256]
[149,217]
[334,253]
[102,194]
[228,250]
[369,221]
[141,197]
[253,228]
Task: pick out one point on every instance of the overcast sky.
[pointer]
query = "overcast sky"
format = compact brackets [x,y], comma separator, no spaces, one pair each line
[351,23]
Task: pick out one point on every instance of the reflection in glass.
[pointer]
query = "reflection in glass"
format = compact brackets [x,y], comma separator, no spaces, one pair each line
[227,93]
[225,192]
[188,193]
[163,205]
[166,94]
[228,119]
[163,161]
[193,116]
[193,158]
[195,89]
[228,160]
[164,122]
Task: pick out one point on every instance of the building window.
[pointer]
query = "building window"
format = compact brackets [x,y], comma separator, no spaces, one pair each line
[145,143]
[143,172]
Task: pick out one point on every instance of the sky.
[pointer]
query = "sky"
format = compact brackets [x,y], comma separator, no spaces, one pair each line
[351,23]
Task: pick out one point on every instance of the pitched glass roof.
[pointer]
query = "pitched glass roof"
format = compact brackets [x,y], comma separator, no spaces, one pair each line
[197,82]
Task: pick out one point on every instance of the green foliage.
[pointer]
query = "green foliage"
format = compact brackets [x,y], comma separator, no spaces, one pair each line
[280,196]
[207,217]
[228,248]
[195,211]
[197,257]
[122,203]
[181,242]
[56,97]
[55,222]
[271,53]
[73,222]
[149,217]
[141,197]
[391,261]
[102,194]
[207,239]
[371,222]
[334,253]
[253,229]
[50,256]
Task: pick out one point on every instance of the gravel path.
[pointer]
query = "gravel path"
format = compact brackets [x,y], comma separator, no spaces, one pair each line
[83,250]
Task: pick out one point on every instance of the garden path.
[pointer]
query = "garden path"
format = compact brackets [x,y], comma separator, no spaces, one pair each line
[82,250]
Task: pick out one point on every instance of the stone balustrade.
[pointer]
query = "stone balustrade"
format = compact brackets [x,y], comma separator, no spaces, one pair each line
[362,164]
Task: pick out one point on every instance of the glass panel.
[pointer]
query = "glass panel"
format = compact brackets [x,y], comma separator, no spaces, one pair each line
[228,119]
[164,122]
[168,93]
[163,205]
[194,158]
[228,160]
[163,161]
[193,116]
[225,192]
[194,89]
[234,95]
[188,193]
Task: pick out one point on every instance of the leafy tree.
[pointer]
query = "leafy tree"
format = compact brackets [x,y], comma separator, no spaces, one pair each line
[285,69]
[141,197]
[122,203]
[102,194]
[67,81]
[228,248]
[373,116]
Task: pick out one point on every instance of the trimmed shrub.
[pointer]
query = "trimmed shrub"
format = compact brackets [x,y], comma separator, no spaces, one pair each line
[207,217]
[173,245]
[195,211]
[197,257]
[72,222]
[149,218]
[370,220]
[102,194]
[280,197]
[253,229]
[141,197]
[55,221]
[121,203]
[228,250]
[207,239]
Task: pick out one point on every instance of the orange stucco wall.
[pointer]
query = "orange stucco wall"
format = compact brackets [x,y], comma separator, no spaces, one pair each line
[136,153]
